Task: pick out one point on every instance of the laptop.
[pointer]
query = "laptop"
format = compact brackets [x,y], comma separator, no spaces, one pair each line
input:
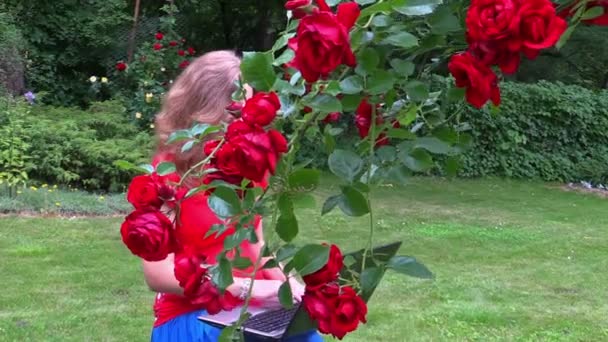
[277,324]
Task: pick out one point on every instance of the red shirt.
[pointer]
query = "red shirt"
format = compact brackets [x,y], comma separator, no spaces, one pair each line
[196,218]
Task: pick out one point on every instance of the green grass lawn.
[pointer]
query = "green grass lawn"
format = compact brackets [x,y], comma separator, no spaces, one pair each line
[514,261]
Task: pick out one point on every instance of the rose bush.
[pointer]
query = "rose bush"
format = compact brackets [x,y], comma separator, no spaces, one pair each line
[367,65]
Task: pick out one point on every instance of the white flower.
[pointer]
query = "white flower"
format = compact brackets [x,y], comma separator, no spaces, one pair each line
[93,79]
[149,97]
[104,80]
[163,69]
[151,125]
[138,115]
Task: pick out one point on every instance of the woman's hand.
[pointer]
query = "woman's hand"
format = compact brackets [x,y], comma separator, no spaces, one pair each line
[297,289]
[266,292]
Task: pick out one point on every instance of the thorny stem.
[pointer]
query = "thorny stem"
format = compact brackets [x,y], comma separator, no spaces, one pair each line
[201,163]
[372,137]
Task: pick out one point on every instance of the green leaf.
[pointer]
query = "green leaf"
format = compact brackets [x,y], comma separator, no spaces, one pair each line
[178,136]
[382,21]
[373,9]
[188,146]
[370,278]
[147,168]
[286,57]
[304,180]
[222,275]
[282,41]
[417,160]
[345,164]
[127,166]
[196,190]
[331,203]
[433,145]
[351,102]
[367,60]
[165,168]
[415,7]
[235,239]
[325,103]
[365,2]
[398,174]
[353,202]
[204,129]
[456,94]
[286,252]
[402,39]
[351,85]
[229,334]
[224,202]
[593,13]
[407,116]
[310,259]
[400,133]
[444,21]
[285,204]
[257,70]
[271,263]
[287,227]
[565,37]
[417,91]
[285,295]
[387,153]
[409,266]
[403,67]
[380,82]
[242,263]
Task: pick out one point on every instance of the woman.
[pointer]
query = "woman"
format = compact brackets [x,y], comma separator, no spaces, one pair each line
[200,95]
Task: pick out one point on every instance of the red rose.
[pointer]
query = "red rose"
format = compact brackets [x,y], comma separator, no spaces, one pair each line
[491,19]
[350,309]
[189,272]
[234,107]
[294,4]
[363,118]
[143,192]
[478,79]
[322,42]
[181,52]
[332,117]
[251,155]
[261,109]
[328,273]
[191,51]
[240,127]
[491,53]
[158,46]
[159,36]
[148,234]
[121,66]
[184,64]
[278,141]
[538,26]
[173,43]
[210,298]
[320,306]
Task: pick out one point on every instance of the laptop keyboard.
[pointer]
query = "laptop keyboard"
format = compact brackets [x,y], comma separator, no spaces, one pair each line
[270,321]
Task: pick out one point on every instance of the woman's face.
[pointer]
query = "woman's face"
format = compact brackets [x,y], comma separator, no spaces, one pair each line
[248,94]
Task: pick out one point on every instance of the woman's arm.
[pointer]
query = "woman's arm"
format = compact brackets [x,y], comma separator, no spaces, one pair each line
[160,278]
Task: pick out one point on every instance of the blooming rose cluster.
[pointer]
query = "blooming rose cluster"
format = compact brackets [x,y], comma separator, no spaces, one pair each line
[498,32]
[249,151]
[337,309]
[363,121]
[162,43]
[322,40]
[150,234]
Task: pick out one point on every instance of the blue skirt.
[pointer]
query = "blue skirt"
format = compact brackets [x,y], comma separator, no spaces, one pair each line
[188,327]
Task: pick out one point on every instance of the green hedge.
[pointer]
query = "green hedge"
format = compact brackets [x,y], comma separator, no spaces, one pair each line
[71,146]
[547,131]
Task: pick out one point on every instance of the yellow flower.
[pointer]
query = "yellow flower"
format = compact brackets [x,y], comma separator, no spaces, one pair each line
[138,115]
[44,185]
[152,126]
[34,188]
[19,192]
[50,190]
[149,97]
[104,80]
[55,186]
[101,198]
[58,204]
[93,79]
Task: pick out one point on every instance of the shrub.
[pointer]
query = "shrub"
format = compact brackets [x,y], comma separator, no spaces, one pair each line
[79,147]
[548,131]
[14,144]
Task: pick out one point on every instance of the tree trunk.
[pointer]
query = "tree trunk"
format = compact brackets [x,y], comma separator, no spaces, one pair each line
[131,48]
